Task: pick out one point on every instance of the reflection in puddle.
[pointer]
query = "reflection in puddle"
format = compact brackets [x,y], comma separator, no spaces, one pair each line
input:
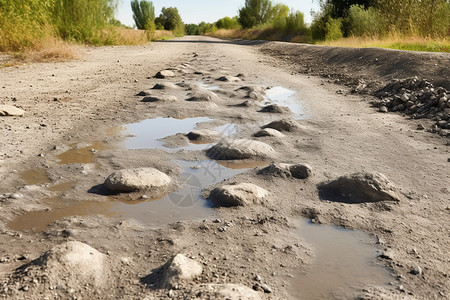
[243,164]
[209,86]
[150,133]
[83,155]
[35,177]
[147,134]
[184,204]
[284,97]
[344,261]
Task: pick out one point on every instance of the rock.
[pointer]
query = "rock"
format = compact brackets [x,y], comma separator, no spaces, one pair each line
[359,188]
[299,171]
[237,194]
[129,180]
[204,96]
[165,86]
[164,74]
[283,125]
[252,92]
[416,271]
[179,268]
[143,93]
[203,135]
[225,291]
[229,79]
[240,149]
[274,108]
[9,110]
[72,264]
[266,288]
[160,98]
[268,132]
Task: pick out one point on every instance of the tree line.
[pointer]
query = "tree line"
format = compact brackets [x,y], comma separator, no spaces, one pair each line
[339,18]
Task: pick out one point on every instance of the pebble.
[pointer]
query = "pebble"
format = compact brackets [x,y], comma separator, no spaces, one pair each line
[222,229]
[266,288]
[217,221]
[16,196]
[416,271]
[257,278]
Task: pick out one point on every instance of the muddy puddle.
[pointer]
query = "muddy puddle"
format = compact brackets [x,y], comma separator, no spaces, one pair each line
[149,134]
[185,203]
[284,97]
[344,262]
[84,155]
[35,177]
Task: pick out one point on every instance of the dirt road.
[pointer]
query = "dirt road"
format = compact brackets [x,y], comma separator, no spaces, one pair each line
[83,121]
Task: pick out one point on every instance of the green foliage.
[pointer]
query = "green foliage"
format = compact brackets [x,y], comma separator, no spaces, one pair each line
[295,22]
[143,14]
[227,23]
[279,14]
[81,20]
[170,19]
[363,22]
[255,13]
[191,29]
[333,29]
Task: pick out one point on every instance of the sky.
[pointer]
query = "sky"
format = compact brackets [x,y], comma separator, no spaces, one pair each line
[196,11]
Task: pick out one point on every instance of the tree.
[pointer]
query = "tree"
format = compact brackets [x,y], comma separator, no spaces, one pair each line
[255,12]
[143,13]
[227,23]
[171,20]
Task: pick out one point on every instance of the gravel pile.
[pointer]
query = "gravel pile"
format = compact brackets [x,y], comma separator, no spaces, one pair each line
[419,99]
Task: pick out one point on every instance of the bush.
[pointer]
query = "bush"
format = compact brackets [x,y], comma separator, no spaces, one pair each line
[227,23]
[363,22]
[295,23]
[255,13]
[333,29]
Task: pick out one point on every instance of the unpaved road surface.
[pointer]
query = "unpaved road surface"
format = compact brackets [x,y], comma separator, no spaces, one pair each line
[55,158]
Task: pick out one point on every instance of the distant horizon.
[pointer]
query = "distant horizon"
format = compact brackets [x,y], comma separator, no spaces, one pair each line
[197,11]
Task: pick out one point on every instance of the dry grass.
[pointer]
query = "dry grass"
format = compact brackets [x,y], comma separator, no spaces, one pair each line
[163,35]
[394,42]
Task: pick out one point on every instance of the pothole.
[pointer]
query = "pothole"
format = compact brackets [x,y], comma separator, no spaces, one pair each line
[284,97]
[344,262]
[84,155]
[35,177]
[185,203]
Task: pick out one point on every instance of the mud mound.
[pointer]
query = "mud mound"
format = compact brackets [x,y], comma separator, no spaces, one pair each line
[129,180]
[359,188]
[165,74]
[268,132]
[203,135]
[275,109]
[237,195]
[69,265]
[299,171]
[229,79]
[202,96]
[177,270]
[240,149]
[283,125]
[160,98]
[419,99]
[165,86]
[252,92]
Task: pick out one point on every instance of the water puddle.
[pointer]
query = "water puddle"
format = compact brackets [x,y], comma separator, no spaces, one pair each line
[184,204]
[344,262]
[39,220]
[209,87]
[284,97]
[243,164]
[149,134]
[35,177]
[83,155]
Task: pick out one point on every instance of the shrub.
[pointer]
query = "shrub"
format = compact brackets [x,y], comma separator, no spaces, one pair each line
[333,29]
[255,13]
[363,22]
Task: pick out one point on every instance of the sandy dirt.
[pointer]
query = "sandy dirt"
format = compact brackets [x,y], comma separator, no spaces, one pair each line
[50,196]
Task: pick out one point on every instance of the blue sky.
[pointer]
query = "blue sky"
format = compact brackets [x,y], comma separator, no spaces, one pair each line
[195,11]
